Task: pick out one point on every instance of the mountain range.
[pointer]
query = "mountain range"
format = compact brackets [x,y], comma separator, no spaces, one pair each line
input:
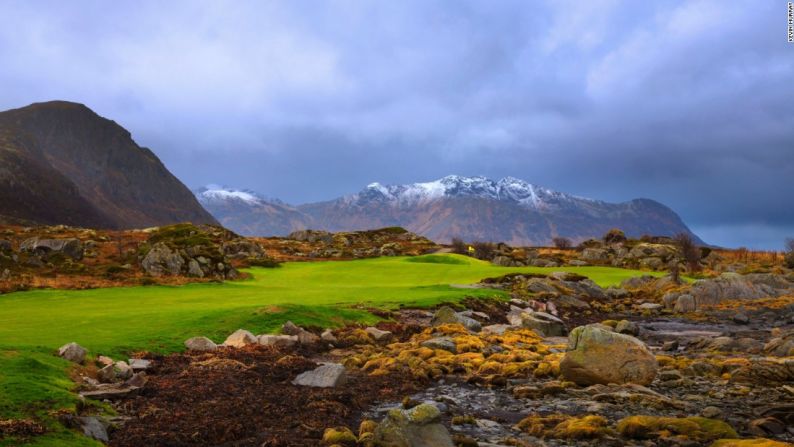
[61,163]
[473,208]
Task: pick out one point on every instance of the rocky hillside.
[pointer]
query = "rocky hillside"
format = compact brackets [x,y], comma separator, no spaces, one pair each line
[61,163]
[473,208]
[68,257]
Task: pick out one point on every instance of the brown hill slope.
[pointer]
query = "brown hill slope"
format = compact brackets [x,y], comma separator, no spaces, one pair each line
[63,163]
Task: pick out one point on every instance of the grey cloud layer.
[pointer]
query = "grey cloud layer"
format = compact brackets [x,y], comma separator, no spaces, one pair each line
[689,103]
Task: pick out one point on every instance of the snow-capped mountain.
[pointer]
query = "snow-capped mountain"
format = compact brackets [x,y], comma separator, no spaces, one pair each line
[508,189]
[473,208]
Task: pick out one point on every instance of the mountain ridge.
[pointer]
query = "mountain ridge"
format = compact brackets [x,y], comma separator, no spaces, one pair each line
[95,173]
[473,208]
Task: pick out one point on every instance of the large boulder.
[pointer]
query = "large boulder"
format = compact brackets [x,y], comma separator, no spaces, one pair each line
[326,376]
[728,286]
[594,255]
[200,344]
[312,236]
[544,324]
[599,356]
[162,260]
[418,427]
[279,341]
[73,352]
[72,248]
[446,315]
[240,338]
[782,346]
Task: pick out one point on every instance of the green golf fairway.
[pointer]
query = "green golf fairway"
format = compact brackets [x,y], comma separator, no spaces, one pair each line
[118,321]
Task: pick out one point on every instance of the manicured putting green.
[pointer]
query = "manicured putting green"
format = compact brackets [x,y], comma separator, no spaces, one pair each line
[117,320]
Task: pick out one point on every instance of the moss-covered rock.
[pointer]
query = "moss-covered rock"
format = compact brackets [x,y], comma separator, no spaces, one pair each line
[696,428]
[339,435]
[599,356]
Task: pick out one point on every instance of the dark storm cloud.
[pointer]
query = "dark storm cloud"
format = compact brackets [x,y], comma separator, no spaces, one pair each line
[689,103]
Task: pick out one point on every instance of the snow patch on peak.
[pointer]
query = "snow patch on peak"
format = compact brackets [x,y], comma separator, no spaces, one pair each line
[506,189]
[218,193]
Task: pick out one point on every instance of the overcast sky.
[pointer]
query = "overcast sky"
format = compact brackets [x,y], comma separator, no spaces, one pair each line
[688,103]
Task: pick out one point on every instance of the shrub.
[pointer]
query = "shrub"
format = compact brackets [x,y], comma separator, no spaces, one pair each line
[789,256]
[484,250]
[562,243]
[690,252]
[614,236]
[459,247]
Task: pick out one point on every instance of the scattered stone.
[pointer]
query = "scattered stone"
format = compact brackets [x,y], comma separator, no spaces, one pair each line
[670,346]
[685,303]
[280,341]
[110,392]
[651,306]
[104,360]
[107,374]
[290,328]
[378,334]
[202,344]
[123,370]
[328,336]
[598,356]
[326,376]
[240,338]
[307,338]
[711,412]
[73,353]
[446,315]
[544,324]
[137,380]
[418,427]
[741,318]
[140,364]
[72,248]
[93,428]
[627,327]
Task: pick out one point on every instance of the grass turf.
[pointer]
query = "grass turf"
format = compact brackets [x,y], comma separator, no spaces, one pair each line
[117,321]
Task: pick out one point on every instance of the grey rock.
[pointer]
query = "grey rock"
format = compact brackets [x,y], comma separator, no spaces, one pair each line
[418,427]
[627,327]
[240,338]
[328,336]
[280,341]
[597,356]
[594,255]
[290,328]
[140,364]
[378,334]
[161,260]
[194,269]
[544,324]
[326,376]
[203,344]
[94,428]
[73,352]
[446,315]
[651,306]
[685,303]
[72,248]
[107,374]
[741,318]
[123,370]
